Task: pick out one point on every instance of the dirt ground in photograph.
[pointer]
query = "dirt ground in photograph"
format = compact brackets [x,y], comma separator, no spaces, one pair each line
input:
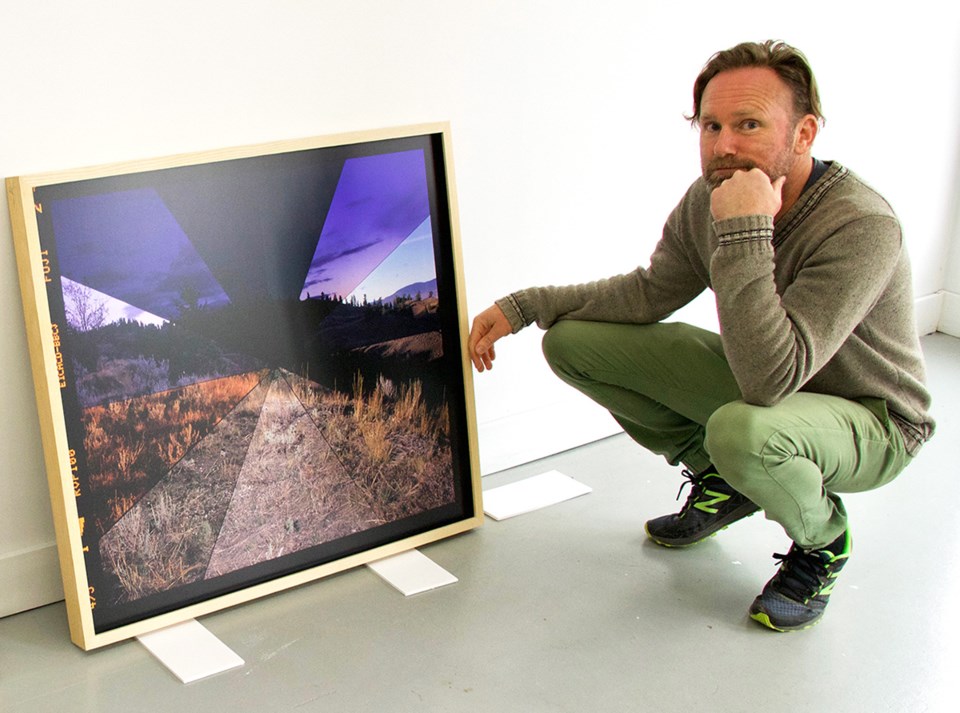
[167,538]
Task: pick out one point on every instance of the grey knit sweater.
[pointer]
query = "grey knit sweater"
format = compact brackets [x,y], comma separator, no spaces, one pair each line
[821,302]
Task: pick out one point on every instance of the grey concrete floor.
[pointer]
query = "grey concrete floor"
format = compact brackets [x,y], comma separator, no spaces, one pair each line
[570,608]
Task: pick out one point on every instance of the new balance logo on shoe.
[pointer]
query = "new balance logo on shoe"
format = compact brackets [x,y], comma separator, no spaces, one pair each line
[707,505]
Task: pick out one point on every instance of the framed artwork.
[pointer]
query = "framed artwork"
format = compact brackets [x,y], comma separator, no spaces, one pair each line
[250,368]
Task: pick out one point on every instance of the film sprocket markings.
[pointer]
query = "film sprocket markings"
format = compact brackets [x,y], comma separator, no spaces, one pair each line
[254,366]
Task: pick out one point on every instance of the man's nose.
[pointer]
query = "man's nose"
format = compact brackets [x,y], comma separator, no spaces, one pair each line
[725,143]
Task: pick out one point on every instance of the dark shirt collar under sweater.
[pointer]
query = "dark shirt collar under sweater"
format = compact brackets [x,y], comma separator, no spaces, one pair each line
[819,168]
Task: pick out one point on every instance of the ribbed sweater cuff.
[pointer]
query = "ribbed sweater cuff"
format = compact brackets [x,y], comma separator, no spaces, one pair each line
[744,228]
[510,306]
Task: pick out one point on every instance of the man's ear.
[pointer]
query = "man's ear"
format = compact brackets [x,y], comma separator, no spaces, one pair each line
[805,133]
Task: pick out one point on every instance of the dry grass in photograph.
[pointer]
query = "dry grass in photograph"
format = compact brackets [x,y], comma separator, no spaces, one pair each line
[395,446]
[294,466]
[130,445]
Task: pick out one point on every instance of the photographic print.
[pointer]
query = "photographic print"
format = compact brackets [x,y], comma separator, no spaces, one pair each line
[250,366]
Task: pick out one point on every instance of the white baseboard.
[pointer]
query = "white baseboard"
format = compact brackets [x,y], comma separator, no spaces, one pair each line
[928,310]
[550,429]
[950,314]
[29,579]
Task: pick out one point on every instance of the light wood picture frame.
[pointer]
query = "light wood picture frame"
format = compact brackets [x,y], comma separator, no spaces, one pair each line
[250,366]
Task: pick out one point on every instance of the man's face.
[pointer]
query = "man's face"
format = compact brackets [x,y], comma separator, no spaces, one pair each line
[746,121]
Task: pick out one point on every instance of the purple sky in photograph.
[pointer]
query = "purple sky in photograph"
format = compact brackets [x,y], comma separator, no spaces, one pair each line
[412,262]
[129,246]
[379,202]
[365,222]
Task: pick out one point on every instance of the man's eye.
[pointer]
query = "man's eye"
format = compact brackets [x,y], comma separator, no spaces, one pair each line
[751,125]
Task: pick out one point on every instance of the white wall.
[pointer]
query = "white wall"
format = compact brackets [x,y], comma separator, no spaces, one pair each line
[950,309]
[570,147]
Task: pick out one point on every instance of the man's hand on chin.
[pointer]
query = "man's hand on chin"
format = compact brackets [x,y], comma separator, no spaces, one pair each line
[747,193]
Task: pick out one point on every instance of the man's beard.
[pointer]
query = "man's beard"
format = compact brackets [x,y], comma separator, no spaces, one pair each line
[721,164]
[780,167]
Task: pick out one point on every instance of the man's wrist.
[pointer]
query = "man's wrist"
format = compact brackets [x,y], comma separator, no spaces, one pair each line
[744,228]
[510,306]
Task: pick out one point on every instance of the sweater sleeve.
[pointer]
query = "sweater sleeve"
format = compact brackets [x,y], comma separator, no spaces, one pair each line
[642,296]
[775,342]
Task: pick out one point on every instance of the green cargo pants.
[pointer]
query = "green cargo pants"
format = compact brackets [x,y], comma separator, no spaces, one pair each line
[669,386]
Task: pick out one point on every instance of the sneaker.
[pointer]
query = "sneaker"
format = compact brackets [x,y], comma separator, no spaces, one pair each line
[711,506]
[798,593]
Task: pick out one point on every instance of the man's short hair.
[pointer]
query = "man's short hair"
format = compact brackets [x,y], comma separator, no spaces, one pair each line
[788,62]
